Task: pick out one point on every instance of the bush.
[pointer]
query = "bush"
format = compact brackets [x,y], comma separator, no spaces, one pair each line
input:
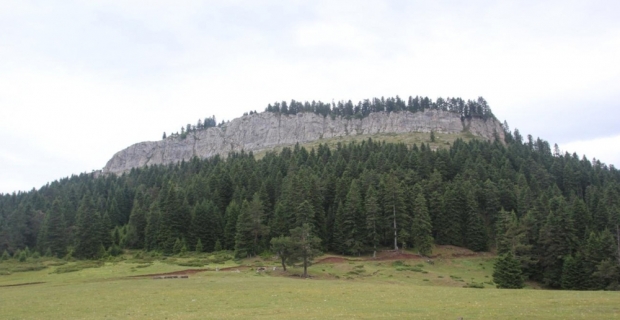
[115,251]
[474,285]
[409,268]
[5,256]
[23,256]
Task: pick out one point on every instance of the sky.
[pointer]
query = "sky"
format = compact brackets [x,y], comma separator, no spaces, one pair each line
[81,80]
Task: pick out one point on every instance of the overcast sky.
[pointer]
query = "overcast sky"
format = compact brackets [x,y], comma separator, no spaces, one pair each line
[81,80]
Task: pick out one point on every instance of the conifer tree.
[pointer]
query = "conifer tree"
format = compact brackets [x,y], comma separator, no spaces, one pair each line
[449,226]
[206,224]
[475,233]
[54,231]
[393,204]
[305,246]
[572,274]
[373,219]
[422,228]
[250,228]
[507,273]
[88,233]
[230,230]
[199,247]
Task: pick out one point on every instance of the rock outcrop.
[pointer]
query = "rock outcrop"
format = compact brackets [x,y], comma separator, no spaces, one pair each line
[267,130]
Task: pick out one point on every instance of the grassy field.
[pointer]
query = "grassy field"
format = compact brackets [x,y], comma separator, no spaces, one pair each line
[341,288]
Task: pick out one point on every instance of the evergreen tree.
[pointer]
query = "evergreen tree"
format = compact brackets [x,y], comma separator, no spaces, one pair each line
[230,230]
[475,233]
[572,274]
[393,204]
[305,246]
[507,273]
[199,247]
[88,233]
[250,228]
[422,228]
[54,231]
[373,219]
[283,247]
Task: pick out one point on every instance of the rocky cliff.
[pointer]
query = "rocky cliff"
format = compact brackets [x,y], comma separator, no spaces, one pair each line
[267,130]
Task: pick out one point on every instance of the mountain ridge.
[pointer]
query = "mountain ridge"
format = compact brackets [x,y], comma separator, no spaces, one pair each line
[267,130]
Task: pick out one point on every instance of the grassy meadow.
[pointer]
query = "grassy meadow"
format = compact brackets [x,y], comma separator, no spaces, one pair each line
[340,288]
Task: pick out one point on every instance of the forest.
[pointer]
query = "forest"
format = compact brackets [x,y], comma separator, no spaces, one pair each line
[551,217]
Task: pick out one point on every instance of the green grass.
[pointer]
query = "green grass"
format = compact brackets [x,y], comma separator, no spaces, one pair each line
[355,289]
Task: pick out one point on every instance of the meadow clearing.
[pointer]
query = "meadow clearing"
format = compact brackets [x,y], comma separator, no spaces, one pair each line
[391,287]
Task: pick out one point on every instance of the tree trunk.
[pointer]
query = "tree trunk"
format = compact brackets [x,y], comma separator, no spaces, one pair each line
[618,237]
[305,266]
[395,234]
[283,264]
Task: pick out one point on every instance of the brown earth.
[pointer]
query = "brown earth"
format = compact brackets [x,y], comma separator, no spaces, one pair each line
[331,260]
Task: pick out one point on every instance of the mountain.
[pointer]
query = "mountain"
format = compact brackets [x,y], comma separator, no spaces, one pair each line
[552,218]
[264,131]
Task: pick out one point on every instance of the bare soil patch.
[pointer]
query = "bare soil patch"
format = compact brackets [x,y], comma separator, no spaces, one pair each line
[395,255]
[331,260]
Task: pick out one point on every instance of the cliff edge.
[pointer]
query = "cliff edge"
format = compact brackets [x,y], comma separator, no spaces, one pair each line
[262,131]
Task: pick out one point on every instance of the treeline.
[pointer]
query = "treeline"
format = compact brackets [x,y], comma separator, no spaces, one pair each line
[465,109]
[552,216]
[208,122]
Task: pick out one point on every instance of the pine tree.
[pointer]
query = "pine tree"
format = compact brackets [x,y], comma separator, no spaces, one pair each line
[250,228]
[393,204]
[507,273]
[449,226]
[151,232]
[54,231]
[206,224]
[177,247]
[88,233]
[475,233]
[572,274]
[199,247]
[558,241]
[373,219]
[422,228]
[283,247]
[232,212]
[305,246]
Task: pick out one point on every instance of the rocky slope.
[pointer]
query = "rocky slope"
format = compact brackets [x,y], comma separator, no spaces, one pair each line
[267,130]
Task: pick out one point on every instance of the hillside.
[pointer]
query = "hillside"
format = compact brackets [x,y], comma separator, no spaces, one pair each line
[268,130]
[552,218]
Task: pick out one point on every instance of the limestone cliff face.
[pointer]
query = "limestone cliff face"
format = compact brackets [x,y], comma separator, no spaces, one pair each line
[267,130]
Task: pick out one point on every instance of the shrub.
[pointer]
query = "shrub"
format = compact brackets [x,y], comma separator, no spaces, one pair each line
[474,285]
